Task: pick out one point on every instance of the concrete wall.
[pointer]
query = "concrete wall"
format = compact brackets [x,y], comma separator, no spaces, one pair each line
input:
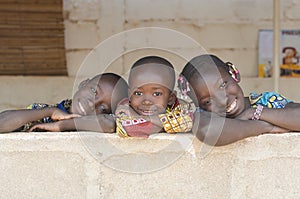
[95,41]
[90,165]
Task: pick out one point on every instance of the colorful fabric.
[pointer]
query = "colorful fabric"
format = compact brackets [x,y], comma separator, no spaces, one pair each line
[65,106]
[268,100]
[178,118]
[133,127]
[128,125]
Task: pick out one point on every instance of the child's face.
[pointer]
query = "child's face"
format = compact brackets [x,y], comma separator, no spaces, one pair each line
[150,99]
[93,97]
[149,89]
[218,92]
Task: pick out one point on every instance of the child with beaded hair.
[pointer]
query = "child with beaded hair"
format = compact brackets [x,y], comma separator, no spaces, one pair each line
[152,105]
[224,115]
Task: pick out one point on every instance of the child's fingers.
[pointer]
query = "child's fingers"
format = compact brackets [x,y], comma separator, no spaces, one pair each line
[277,129]
[31,129]
[64,116]
[37,126]
[76,115]
[70,116]
[44,127]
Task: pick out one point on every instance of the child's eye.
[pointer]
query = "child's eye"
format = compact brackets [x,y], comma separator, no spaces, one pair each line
[157,94]
[102,109]
[206,103]
[93,90]
[138,93]
[223,85]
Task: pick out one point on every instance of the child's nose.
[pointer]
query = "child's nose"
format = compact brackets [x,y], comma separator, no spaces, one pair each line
[91,103]
[147,101]
[221,98]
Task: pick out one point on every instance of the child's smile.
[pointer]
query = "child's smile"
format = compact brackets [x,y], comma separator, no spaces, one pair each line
[147,112]
[93,98]
[150,99]
[83,112]
[231,106]
[218,93]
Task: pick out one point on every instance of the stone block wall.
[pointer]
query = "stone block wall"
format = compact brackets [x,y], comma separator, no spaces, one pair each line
[226,28]
[91,165]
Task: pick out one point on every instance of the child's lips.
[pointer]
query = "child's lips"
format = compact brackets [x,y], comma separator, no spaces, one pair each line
[147,112]
[232,106]
[81,108]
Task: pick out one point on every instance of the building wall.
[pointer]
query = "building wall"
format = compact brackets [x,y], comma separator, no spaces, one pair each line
[91,165]
[103,35]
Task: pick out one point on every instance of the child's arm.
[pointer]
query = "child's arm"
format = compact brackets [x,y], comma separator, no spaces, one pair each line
[97,123]
[216,130]
[287,117]
[13,119]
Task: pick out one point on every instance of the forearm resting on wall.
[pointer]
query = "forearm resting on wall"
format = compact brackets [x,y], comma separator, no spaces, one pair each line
[98,123]
[215,130]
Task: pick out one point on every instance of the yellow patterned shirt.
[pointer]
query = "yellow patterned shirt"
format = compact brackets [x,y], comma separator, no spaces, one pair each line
[177,118]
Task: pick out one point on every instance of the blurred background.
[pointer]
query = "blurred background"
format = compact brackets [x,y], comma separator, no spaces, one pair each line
[48,46]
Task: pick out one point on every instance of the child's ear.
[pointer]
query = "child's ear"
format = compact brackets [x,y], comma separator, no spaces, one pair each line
[83,83]
[172,98]
[234,72]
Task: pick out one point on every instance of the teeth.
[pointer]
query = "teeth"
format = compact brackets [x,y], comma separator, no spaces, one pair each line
[81,108]
[148,112]
[231,107]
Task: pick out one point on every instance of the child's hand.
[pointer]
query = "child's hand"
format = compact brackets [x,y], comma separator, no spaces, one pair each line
[277,129]
[54,127]
[61,115]
[126,110]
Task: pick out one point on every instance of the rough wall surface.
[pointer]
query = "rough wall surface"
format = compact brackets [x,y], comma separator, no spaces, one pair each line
[90,165]
[226,28]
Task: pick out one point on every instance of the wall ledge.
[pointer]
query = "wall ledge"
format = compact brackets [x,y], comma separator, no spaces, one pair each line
[97,165]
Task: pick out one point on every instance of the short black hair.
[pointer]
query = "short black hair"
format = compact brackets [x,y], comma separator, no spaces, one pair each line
[154,60]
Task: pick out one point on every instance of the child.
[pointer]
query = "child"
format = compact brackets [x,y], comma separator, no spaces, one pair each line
[214,88]
[152,105]
[96,98]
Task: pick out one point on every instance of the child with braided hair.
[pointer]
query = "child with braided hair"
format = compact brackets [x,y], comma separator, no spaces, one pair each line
[224,115]
[152,105]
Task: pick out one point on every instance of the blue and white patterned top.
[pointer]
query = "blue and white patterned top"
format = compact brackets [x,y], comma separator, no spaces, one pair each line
[268,100]
[63,105]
